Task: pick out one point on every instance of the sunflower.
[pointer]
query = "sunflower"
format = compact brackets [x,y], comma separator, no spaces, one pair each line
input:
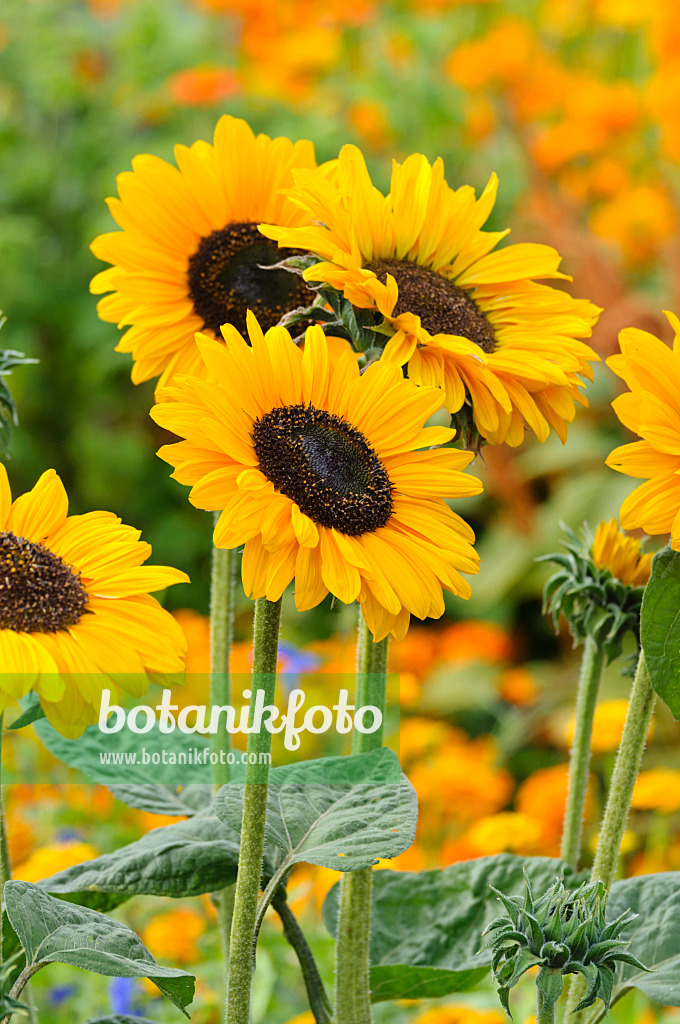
[189,255]
[621,555]
[316,468]
[464,318]
[651,409]
[76,615]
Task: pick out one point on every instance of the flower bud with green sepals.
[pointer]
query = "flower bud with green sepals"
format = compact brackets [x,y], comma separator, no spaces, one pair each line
[563,932]
[598,587]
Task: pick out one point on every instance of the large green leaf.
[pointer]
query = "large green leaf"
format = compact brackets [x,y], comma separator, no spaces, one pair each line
[427,926]
[654,935]
[52,931]
[86,753]
[184,859]
[660,627]
[338,812]
[177,800]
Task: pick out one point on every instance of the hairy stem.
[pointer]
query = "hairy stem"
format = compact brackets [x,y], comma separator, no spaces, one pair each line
[545,1009]
[316,993]
[352,964]
[265,650]
[626,769]
[222,593]
[579,766]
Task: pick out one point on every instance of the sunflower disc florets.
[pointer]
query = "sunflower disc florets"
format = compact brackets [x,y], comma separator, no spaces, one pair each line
[563,932]
[593,599]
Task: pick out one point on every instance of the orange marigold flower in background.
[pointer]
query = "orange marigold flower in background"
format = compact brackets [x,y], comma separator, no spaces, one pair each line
[474,640]
[657,789]
[501,57]
[48,860]
[460,781]
[202,87]
[651,409]
[416,653]
[507,832]
[77,616]
[22,837]
[474,322]
[189,253]
[640,220]
[174,936]
[317,469]
[369,120]
[518,686]
[543,797]
[621,555]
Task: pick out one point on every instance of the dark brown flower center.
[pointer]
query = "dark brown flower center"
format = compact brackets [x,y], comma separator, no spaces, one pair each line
[38,592]
[328,468]
[442,307]
[226,279]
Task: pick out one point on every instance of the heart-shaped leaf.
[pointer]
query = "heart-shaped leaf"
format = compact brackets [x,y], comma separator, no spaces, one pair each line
[184,859]
[53,931]
[337,812]
[654,935]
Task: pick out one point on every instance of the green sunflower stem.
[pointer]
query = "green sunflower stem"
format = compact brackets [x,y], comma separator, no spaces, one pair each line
[545,1009]
[352,964]
[222,594]
[579,766]
[626,770]
[241,951]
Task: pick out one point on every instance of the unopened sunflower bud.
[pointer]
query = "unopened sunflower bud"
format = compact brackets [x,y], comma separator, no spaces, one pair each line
[598,586]
[562,932]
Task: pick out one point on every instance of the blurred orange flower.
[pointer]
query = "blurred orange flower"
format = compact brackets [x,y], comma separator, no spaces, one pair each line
[202,86]
[174,936]
[474,640]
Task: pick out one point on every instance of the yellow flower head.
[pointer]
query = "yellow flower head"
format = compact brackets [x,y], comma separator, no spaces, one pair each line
[316,469]
[621,555]
[608,722]
[76,614]
[657,790]
[464,318]
[189,254]
[651,409]
[52,858]
[507,832]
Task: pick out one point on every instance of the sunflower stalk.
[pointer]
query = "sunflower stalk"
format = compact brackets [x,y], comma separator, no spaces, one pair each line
[222,594]
[579,765]
[241,951]
[352,959]
[626,770]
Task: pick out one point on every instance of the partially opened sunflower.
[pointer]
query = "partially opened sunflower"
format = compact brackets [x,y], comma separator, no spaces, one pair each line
[651,409]
[76,615]
[475,322]
[189,255]
[318,470]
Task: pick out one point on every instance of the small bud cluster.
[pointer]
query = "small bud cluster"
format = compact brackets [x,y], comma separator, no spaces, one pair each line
[595,603]
[563,932]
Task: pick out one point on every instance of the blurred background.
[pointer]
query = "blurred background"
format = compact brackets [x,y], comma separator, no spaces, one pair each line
[574,104]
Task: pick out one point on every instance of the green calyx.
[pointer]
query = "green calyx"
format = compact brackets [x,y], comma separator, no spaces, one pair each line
[563,932]
[595,603]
